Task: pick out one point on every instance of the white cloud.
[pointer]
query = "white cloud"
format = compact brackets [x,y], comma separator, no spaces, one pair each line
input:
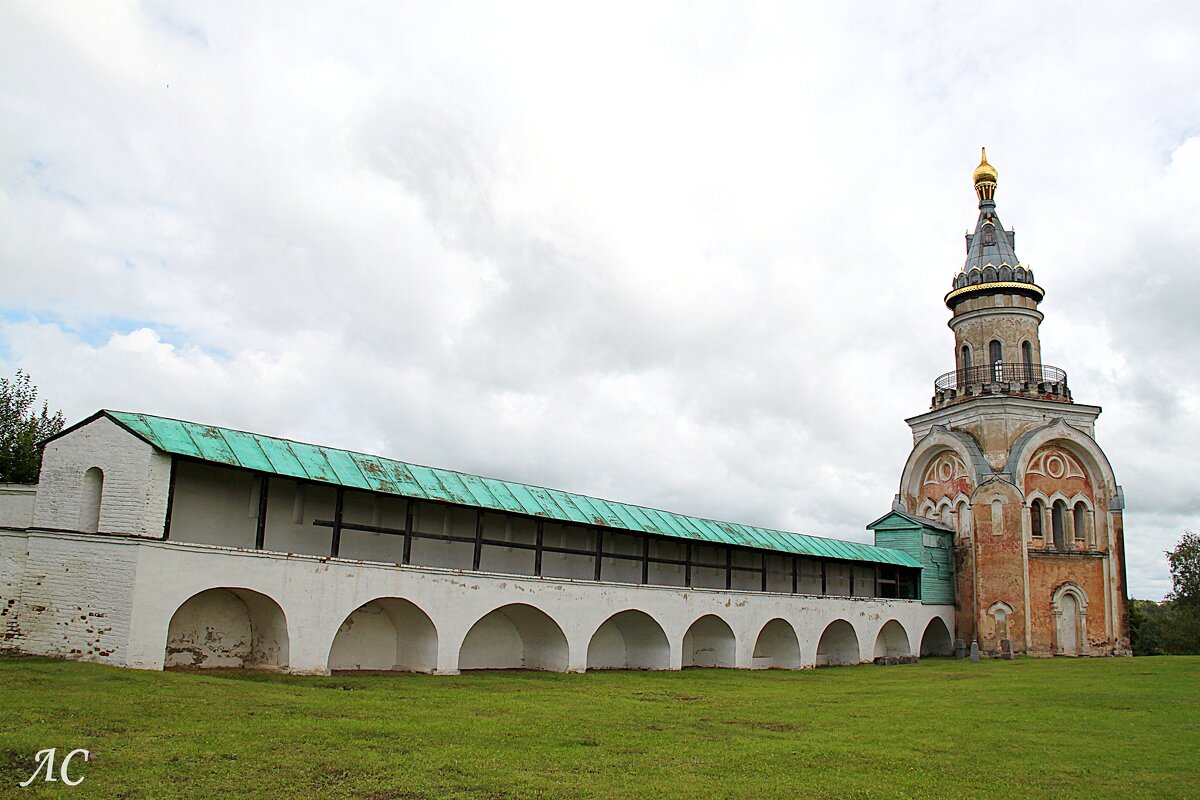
[692,257]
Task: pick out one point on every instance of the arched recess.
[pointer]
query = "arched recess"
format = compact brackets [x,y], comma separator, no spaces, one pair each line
[1000,613]
[838,645]
[709,642]
[228,627]
[629,640]
[892,641]
[936,639]
[385,634]
[777,646]
[515,636]
[1069,604]
[89,500]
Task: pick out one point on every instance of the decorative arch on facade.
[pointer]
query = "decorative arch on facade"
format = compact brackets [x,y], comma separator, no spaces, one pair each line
[228,627]
[944,465]
[1000,613]
[514,636]
[1091,460]
[777,646]
[892,641]
[709,642]
[629,639]
[388,633]
[1069,604]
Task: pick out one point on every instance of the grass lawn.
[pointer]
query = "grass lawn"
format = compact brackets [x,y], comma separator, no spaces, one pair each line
[1028,728]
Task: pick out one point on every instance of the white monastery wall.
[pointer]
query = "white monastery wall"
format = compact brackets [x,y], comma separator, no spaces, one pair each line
[120,600]
[93,578]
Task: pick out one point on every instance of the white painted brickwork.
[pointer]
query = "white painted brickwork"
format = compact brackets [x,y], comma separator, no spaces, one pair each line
[16,505]
[75,597]
[12,571]
[136,481]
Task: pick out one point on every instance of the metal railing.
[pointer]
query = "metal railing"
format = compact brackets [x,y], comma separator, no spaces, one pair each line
[1000,372]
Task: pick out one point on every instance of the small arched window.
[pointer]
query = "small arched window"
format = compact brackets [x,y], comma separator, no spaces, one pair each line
[1058,521]
[996,358]
[966,357]
[1035,519]
[1081,531]
[89,500]
[997,518]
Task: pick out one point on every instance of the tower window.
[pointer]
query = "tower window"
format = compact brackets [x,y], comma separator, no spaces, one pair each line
[1080,525]
[1035,519]
[1027,359]
[1058,522]
[996,358]
[966,357]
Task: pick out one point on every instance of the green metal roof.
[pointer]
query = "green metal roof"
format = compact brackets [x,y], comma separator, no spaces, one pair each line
[376,474]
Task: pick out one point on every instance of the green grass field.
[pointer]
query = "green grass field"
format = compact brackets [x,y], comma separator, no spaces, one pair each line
[1028,728]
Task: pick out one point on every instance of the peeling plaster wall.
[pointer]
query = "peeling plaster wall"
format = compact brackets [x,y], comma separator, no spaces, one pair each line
[74,597]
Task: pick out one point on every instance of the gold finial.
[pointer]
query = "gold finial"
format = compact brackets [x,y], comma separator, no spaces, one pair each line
[985,171]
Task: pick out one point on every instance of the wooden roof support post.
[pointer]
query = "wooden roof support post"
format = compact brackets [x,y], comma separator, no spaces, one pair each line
[260,533]
[335,544]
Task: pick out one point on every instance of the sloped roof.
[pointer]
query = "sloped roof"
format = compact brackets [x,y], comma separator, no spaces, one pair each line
[286,458]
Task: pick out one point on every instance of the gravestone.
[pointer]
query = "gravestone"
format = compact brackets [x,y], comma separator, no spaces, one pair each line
[974,652]
[960,649]
[1006,651]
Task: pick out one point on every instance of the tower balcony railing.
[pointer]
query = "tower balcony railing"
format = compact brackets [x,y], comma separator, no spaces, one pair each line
[1017,378]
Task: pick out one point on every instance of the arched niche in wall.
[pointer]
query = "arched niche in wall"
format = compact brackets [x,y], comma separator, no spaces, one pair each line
[515,636]
[90,498]
[936,639]
[228,627]
[387,633]
[629,640]
[838,645]
[777,646]
[709,642]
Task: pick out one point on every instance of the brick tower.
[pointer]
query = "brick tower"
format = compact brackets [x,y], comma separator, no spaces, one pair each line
[1007,459]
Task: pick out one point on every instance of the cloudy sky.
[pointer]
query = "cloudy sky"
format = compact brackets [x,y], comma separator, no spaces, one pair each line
[691,256]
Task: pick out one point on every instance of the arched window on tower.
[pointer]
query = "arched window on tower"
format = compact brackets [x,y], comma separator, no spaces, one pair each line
[1081,530]
[1058,520]
[996,359]
[1027,360]
[1036,512]
[964,375]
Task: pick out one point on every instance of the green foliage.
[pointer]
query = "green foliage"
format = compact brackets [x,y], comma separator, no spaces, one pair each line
[22,426]
[1185,570]
[1171,627]
[1066,728]
[1166,628]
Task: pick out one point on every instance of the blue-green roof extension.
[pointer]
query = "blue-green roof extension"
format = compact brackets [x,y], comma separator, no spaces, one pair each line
[309,462]
[927,541]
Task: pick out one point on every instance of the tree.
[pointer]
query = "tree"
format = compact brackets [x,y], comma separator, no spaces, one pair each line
[22,427]
[1185,571]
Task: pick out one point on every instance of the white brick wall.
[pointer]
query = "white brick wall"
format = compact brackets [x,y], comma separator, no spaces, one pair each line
[16,505]
[74,597]
[12,571]
[136,481]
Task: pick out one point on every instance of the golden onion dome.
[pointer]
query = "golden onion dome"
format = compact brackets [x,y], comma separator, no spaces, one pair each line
[985,171]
